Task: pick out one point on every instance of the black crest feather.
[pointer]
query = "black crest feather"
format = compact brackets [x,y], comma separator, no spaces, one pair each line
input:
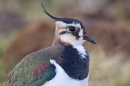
[55,18]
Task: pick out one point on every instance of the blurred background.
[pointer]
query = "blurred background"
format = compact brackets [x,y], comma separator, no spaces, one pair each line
[24,28]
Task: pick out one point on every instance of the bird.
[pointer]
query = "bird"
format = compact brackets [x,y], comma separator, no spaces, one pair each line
[64,63]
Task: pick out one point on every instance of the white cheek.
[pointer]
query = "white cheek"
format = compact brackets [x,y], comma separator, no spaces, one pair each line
[68,38]
[81,32]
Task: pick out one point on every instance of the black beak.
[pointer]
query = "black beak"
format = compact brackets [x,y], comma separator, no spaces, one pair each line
[86,37]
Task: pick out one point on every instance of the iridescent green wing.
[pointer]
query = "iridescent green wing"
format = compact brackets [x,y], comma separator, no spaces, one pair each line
[34,70]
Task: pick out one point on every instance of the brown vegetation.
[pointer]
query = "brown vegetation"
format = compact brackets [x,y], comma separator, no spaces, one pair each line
[113,37]
[38,35]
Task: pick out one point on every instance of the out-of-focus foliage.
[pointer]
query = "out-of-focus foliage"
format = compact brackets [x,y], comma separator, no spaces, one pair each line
[24,28]
[109,71]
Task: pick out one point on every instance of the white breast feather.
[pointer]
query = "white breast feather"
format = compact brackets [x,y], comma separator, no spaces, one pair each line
[62,79]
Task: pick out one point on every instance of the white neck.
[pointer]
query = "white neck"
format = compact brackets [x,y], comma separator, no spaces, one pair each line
[81,50]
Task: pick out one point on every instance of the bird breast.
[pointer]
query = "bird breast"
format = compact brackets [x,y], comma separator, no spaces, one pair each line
[62,79]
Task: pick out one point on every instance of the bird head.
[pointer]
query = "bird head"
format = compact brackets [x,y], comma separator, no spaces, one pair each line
[70,30]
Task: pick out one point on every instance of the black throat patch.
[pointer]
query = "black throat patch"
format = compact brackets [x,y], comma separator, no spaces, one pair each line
[73,64]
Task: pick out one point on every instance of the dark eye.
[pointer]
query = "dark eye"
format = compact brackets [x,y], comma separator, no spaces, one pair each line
[72,28]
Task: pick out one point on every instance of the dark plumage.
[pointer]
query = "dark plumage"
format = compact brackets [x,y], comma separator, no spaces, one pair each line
[73,64]
[72,20]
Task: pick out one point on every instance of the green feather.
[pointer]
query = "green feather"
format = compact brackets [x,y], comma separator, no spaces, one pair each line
[34,70]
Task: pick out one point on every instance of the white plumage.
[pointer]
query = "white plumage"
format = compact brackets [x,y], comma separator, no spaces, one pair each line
[62,79]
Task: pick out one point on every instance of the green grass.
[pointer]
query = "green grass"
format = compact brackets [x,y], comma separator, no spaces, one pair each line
[4,43]
[3,73]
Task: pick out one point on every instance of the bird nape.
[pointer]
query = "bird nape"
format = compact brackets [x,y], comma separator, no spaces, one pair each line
[65,63]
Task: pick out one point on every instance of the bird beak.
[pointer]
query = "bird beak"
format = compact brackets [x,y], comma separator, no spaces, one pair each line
[86,37]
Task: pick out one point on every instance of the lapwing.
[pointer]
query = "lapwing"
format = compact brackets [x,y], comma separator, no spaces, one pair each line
[65,63]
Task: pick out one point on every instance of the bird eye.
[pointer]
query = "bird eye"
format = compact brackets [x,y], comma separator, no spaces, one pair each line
[72,28]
